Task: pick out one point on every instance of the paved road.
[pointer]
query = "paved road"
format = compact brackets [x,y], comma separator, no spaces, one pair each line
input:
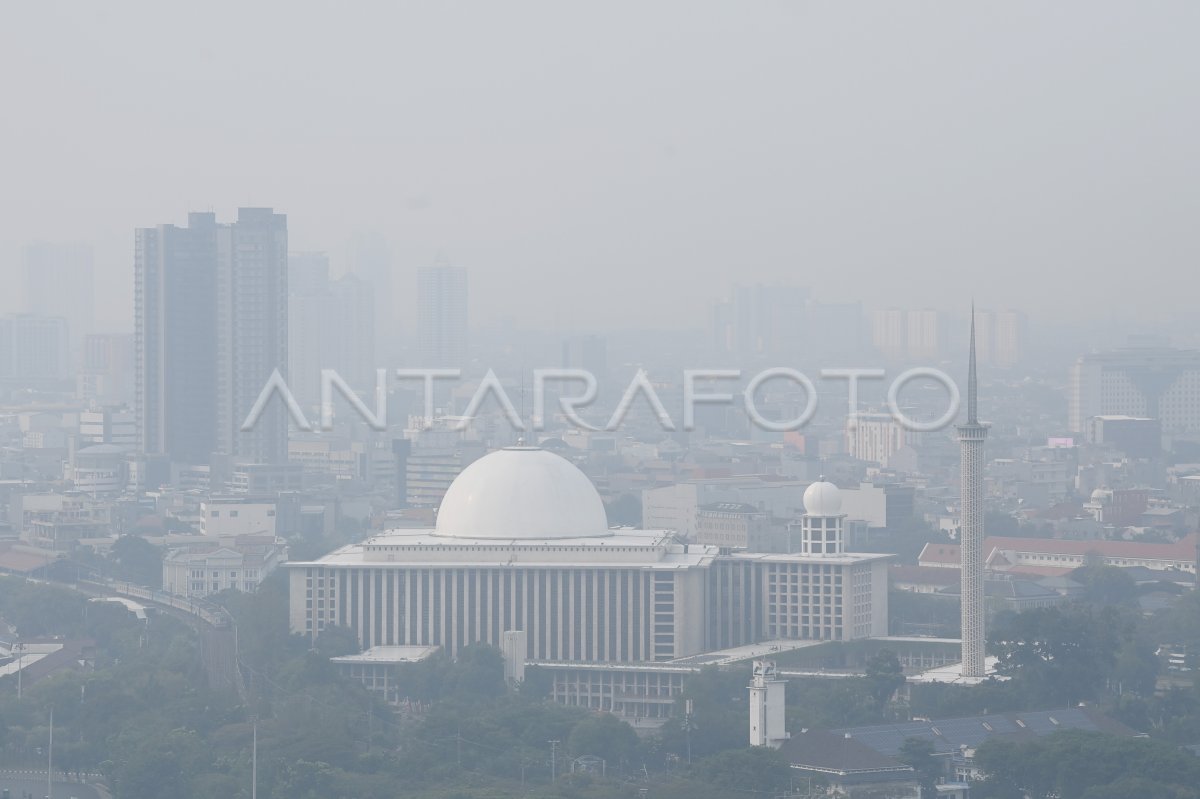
[18,786]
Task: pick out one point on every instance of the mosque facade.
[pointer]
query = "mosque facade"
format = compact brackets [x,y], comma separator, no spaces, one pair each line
[522,543]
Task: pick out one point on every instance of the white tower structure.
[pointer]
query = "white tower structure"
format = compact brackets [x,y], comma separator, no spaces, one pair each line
[513,646]
[821,524]
[767,706]
[970,438]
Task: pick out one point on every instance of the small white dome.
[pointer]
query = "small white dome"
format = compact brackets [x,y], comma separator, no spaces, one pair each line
[522,492]
[822,499]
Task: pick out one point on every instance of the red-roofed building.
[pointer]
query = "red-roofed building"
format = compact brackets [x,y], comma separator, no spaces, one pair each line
[1050,556]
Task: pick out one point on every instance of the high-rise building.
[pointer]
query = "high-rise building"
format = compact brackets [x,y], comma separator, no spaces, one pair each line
[331,325]
[210,303]
[442,316]
[352,343]
[252,332]
[33,349]
[59,281]
[760,320]
[1000,337]
[918,335]
[1008,340]
[370,259]
[889,332]
[925,334]
[833,330]
[971,436]
[875,437]
[308,274]
[175,309]
[106,375]
[1150,382]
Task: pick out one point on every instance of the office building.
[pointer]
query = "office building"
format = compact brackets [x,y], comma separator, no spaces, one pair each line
[60,281]
[106,374]
[760,320]
[1146,382]
[875,437]
[1009,334]
[900,334]
[1135,437]
[108,426]
[33,349]
[331,325]
[442,316]
[210,303]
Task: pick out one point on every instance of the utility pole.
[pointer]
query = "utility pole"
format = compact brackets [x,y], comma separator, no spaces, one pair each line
[687,728]
[553,761]
[254,760]
[50,759]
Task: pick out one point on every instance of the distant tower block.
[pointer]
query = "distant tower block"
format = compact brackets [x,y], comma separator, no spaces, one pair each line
[767,706]
[970,438]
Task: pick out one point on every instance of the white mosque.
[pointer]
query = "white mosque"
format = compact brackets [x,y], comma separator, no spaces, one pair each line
[522,543]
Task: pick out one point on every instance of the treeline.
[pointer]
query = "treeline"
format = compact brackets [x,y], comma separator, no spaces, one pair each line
[1086,765]
[142,715]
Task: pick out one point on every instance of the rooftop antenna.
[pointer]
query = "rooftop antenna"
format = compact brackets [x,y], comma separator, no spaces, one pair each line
[972,381]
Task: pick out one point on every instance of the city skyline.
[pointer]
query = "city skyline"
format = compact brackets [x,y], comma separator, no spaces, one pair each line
[877,177]
[477,400]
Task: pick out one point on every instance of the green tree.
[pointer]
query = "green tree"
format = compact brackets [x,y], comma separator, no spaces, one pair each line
[1075,764]
[477,673]
[718,713]
[1106,585]
[884,676]
[759,769]
[625,510]
[604,736]
[918,753]
[1057,655]
[137,560]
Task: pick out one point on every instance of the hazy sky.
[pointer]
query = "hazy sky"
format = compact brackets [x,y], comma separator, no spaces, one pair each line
[623,163]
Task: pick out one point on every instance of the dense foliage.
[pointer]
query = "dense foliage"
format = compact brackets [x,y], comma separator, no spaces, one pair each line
[143,716]
[1084,765]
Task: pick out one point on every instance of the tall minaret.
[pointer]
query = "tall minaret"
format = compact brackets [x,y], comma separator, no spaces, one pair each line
[970,439]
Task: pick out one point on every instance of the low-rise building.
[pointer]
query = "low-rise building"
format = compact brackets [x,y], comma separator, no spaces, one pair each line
[57,521]
[98,469]
[1050,556]
[239,563]
[235,516]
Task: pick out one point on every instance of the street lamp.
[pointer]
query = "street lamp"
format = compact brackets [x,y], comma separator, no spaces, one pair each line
[20,647]
[254,759]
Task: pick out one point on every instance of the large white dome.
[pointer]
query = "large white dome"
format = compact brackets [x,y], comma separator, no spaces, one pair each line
[822,499]
[522,492]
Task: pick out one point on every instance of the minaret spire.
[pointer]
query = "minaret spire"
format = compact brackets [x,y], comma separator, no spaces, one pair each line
[971,533]
[972,381]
